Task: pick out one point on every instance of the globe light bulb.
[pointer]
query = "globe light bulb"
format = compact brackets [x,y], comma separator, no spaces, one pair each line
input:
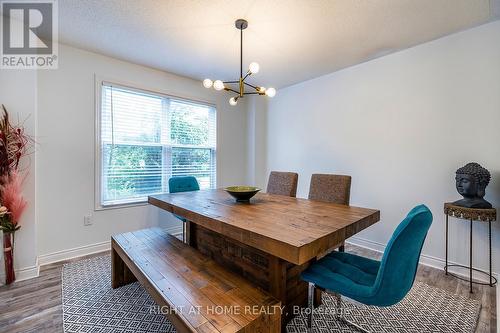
[218,85]
[233,101]
[271,92]
[207,83]
[254,68]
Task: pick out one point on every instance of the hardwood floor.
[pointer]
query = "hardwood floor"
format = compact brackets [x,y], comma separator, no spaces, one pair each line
[35,305]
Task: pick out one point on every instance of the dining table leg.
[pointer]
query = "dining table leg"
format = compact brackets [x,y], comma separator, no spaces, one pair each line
[190,233]
[275,275]
[277,278]
[277,285]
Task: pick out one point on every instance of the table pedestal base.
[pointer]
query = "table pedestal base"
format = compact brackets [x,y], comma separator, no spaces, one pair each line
[274,275]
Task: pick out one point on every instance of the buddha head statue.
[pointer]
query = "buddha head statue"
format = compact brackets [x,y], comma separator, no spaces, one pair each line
[471,182]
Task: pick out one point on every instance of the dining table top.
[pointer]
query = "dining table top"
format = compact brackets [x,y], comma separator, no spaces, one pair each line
[293,229]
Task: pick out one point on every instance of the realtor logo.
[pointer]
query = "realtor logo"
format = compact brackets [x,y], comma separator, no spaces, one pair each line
[29,34]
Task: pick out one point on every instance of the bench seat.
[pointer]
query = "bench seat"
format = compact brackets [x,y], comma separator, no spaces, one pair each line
[195,293]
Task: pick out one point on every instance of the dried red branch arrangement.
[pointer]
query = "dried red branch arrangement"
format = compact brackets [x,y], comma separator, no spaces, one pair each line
[14,145]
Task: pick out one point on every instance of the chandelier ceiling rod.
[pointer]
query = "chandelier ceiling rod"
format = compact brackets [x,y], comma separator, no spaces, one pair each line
[253,68]
[241,51]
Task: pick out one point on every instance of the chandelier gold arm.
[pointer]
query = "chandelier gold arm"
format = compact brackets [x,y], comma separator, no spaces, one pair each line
[241,25]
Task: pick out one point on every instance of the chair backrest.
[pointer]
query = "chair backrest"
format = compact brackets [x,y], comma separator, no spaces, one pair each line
[283,183]
[330,188]
[400,260]
[183,184]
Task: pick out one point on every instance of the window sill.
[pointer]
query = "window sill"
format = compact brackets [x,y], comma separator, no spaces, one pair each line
[121,205]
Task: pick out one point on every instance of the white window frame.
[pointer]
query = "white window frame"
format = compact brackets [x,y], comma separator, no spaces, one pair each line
[99,82]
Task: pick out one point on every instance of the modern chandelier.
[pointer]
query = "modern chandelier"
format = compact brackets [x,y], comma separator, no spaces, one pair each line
[253,68]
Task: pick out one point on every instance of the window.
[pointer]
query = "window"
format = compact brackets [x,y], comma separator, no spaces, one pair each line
[146,138]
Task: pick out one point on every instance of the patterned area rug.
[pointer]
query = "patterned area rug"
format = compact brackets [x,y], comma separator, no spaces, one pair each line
[91,305]
[424,309]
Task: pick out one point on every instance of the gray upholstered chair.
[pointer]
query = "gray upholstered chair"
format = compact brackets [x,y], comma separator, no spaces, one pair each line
[283,183]
[331,188]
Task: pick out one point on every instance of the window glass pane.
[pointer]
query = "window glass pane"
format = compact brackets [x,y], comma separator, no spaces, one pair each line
[131,171]
[147,138]
[128,116]
[190,124]
[193,162]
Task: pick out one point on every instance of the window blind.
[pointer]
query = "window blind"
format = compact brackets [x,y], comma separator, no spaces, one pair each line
[147,138]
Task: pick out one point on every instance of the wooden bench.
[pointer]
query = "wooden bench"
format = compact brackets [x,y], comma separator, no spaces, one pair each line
[195,293]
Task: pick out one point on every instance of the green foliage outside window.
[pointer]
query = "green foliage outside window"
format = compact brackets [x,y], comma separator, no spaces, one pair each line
[136,170]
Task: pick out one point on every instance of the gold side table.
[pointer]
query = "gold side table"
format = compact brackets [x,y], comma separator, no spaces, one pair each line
[471,214]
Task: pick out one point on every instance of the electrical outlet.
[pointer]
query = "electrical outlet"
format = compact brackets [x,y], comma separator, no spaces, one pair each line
[87,220]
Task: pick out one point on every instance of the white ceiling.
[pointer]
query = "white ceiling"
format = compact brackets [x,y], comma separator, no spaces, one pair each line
[292,40]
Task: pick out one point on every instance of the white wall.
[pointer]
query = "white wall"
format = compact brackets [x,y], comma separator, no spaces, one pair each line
[257,141]
[65,168]
[18,94]
[401,125]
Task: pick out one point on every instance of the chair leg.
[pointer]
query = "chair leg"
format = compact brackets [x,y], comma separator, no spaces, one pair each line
[357,327]
[338,306]
[310,303]
[338,312]
[184,232]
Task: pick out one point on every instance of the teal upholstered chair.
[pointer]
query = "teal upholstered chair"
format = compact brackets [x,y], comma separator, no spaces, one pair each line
[183,184]
[371,282]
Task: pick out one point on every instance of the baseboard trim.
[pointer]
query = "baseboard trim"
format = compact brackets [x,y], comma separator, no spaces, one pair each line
[85,250]
[498,308]
[76,252]
[23,274]
[175,231]
[27,273]
[425,260]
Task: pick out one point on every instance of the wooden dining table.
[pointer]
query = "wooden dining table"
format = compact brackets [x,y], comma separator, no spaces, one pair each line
[270,240]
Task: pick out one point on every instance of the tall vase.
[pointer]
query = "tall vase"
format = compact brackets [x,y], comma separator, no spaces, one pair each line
[8,255]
